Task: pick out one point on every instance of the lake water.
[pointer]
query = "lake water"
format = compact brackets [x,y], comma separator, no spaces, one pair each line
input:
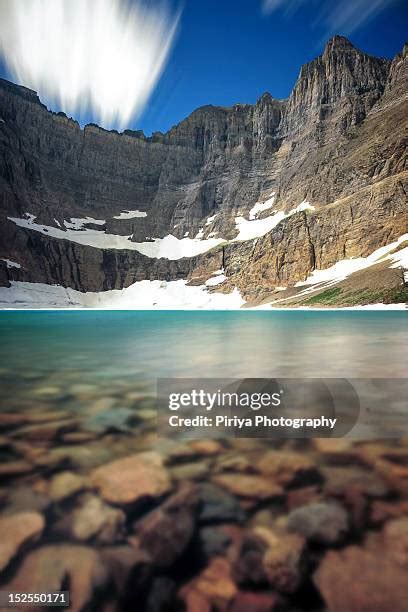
[78,395]
[116,344]
[115,350]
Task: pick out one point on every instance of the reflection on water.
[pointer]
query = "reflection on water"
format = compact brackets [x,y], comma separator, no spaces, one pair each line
[101,345]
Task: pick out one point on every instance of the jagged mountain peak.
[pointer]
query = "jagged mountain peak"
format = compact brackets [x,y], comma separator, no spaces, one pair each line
[339,42]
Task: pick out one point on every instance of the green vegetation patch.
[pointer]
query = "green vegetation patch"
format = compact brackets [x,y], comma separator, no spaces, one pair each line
[338,297]
[326,297]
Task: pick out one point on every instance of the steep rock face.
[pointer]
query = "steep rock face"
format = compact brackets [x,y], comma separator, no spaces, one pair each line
[343,84]
[338,142]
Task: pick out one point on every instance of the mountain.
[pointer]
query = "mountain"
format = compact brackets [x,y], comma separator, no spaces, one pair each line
[252,198]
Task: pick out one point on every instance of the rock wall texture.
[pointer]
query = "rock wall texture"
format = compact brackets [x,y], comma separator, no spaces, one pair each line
[339,141]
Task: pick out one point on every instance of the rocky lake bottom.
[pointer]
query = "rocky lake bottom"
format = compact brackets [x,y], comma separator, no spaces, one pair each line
[94,501]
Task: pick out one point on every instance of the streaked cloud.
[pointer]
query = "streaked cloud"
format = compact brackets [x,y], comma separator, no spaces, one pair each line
[101,57]
[333,16]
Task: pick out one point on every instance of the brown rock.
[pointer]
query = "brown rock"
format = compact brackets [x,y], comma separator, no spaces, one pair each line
[286,467]
[190,471]
[246,485]
[78,437]
[16,530]
[46,431]
[93,518]
[38,416]
[394,473]
[362,580]
[382,511]
[206,447]
[195,602]
[12,419]
[175,452]
[26,498]
[300,497]
[248,567]
[166,532]
[65,484]
[340,480]
[355,487]
[395,535]
[15,468]
[371,452]
[127,480]
[234,463]
[336,450]
[49,568]
[214,585]
[283,563]
[81,456]
[129,566]
[245,601]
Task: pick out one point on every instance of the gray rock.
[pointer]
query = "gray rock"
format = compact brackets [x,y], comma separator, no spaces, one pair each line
[116,419]
[216,505]
[322,522]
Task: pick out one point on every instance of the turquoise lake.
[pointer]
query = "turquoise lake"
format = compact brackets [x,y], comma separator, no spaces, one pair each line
[109,346]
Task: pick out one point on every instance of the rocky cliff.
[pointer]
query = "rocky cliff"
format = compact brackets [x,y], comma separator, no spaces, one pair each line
[268,192]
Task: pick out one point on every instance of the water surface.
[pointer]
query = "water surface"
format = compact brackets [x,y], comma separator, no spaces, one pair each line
[114,350]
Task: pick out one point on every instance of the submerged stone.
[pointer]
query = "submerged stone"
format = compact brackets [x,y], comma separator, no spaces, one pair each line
[16,530]
[127,480]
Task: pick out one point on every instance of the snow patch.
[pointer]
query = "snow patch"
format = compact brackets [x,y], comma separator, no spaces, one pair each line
[152,295]
[216,280]
[77,223]
[400,259]
[248,230]
[261,207]
[168,247]
[171,247]
[343,268]
[210,220]
[11,264]
[130,214]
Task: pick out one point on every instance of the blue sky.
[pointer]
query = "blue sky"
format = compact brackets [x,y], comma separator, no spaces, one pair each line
[228,51]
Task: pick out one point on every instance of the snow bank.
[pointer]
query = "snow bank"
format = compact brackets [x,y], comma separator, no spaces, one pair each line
[210,220]
[151,295]
[261,207]
[343,268]
[248,230]
[168,247]
[130,214]
[77,223]
[11,264]
[218,278]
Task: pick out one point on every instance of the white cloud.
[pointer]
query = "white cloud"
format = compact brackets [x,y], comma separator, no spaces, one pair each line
[100,56]
[270,5]
[334,17]
[349,15]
